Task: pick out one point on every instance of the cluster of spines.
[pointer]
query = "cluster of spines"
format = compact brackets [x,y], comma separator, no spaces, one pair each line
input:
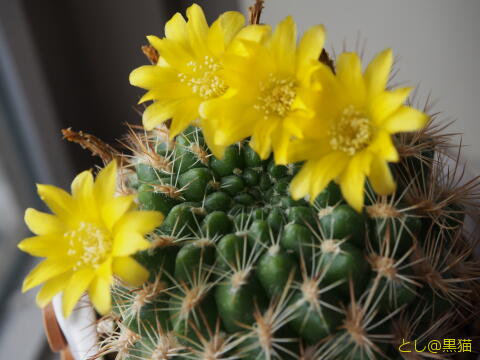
[415,263]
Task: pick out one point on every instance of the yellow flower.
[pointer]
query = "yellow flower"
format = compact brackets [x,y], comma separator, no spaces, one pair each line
[350,137]
[270,90]
[88,238]
[187,71]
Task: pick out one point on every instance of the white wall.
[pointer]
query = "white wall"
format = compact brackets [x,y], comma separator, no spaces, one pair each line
[437,43]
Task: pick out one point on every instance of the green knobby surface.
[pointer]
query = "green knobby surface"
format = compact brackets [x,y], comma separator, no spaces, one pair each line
[250,273]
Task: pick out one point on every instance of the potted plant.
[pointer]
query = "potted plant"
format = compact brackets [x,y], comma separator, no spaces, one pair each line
[276,204]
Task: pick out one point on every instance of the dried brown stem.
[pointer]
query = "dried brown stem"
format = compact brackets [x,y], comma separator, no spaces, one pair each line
[327,60]
[151,54]
[89,142]
[255,11]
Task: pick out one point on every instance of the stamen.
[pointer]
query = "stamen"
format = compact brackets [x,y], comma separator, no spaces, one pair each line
[351,131]
[202,79]
[277,95]
[88,244]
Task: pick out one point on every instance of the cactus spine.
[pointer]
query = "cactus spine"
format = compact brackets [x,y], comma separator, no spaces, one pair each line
[239,270]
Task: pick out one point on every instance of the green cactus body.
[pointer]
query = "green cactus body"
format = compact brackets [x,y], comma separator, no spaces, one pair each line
[241,270]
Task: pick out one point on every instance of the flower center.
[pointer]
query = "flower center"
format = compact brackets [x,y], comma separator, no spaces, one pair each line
[202,78]
[276,96]
[351,131]
[89,244]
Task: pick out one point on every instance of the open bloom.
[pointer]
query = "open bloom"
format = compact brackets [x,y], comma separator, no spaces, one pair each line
[269,90]
[88,239]
[350,137]
[187,71]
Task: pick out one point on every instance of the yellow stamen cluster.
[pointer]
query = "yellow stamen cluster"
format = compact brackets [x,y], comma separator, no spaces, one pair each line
[351,131]
[287,96]
[202,78]
[88,245]
[276,96]
[90,237]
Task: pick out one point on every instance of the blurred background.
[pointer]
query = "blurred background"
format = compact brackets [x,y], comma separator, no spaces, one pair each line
[66,64]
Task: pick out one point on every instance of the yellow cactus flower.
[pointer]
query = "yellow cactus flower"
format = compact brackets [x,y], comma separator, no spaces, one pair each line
[88,239]
[270,90]
[187,72]
[350,137]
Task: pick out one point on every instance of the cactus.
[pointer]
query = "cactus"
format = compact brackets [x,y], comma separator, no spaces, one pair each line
[290,207]
[239,270]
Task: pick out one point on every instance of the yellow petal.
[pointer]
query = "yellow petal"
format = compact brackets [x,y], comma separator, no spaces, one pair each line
[283,44]
[254,33]
[155,41]
[386,103]
[185,114]
[115,208]
[378,72]
[308,150]
[100,296]
[381,177]
[300,184]
[51,288]
[251,33]
[234,72]
[326,169]
[309,50]
[82,185]
[128,243]
[58,200]
[162,62]
[349,72]
[82,192]
[78,284]
[383,147]
[41,223]
[167,91]
[152,76]
[141,222]
[232,22]
[209,129]
[237,123]
[158,112]
[229,135]
[106,183]
[324,78]
[280,143]
[405,119]
[223,31]
[352,181]
[44,271]
[293,125]
[176,29]
[44,245]
[104,271]
[130,271]
[173,53]
[262,137]
[197,30]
